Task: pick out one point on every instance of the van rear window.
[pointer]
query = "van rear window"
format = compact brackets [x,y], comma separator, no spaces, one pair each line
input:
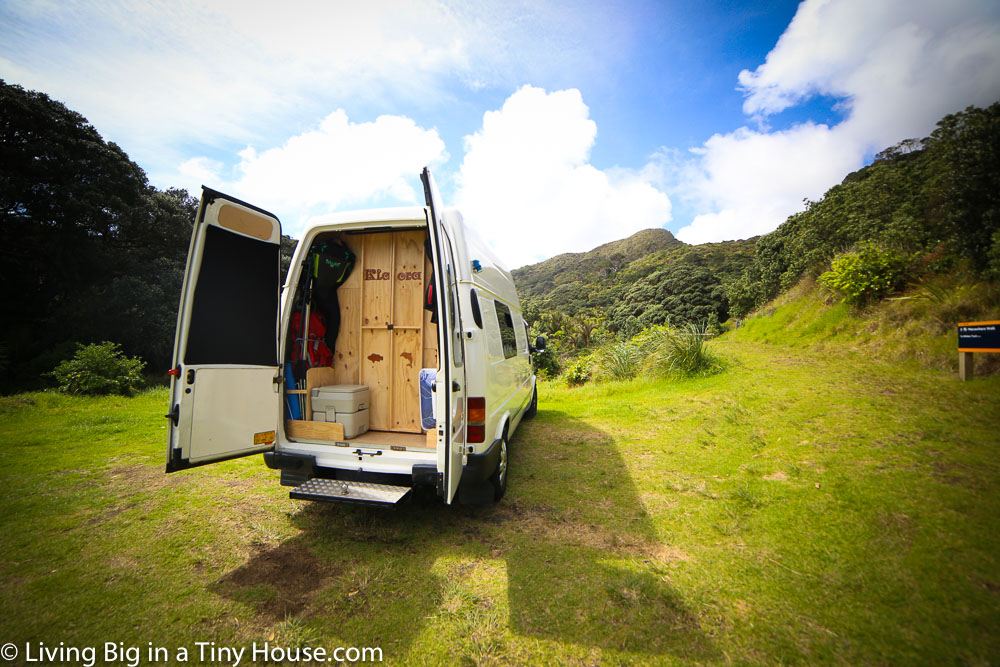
[235,310]
[507,335]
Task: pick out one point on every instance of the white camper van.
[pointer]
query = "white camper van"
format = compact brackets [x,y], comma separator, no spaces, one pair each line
[418,376]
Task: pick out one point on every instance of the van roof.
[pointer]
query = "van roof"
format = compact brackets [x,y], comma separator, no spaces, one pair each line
[491,273]
[367,216]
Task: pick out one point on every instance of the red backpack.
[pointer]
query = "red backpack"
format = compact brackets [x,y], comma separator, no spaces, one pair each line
[319,353]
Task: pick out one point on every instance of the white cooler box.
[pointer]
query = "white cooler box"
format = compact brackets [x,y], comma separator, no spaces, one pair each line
[343,403]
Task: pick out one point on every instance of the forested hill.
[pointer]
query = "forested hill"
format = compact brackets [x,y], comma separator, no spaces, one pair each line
[597,264]
[646,279]
[925,211]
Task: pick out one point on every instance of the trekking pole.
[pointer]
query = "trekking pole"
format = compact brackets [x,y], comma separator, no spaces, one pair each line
[306,362]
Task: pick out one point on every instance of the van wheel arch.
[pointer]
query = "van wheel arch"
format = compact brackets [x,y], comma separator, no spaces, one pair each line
[532,408]
[499,477]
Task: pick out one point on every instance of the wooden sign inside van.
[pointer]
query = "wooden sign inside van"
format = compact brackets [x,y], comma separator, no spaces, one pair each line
[418,393]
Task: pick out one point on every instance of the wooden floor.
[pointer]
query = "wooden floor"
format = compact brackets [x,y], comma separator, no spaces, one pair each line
[388,439]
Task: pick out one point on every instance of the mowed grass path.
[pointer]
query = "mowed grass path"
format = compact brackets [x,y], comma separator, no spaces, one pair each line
[801,507]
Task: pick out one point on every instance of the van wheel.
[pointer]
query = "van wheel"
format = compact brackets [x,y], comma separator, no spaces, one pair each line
[499,477]
[533,406]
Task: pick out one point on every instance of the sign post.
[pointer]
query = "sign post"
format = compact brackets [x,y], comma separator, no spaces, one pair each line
[975,337]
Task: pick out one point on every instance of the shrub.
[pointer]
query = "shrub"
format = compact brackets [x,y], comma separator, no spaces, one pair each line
[867,274]
[712,326]
[99,368]
[579,373]
[546,364]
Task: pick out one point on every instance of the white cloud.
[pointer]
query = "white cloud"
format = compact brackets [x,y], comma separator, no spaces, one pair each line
[168,78]
[163,75]
[526,185]
[338,163]
[897,66]
[754,179]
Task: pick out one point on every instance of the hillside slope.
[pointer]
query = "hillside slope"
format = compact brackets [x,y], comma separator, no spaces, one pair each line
[642,280]
[601,262]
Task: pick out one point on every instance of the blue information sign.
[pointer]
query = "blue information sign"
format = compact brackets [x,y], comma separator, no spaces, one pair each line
[979,336]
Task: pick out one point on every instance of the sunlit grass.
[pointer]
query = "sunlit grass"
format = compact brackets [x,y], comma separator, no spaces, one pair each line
[804,506]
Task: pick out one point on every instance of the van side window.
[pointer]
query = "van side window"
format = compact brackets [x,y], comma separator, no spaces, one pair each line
[507,335]
[521,330]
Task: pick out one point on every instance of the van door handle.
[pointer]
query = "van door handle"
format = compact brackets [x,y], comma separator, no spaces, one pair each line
[175,414]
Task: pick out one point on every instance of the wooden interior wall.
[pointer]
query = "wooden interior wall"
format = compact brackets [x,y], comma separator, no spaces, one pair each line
[347,350]
[385,334]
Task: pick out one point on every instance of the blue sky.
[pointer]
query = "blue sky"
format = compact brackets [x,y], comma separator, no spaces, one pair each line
[554,127]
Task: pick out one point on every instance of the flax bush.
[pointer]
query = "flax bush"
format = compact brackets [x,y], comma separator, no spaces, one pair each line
[620,360]
[677,351]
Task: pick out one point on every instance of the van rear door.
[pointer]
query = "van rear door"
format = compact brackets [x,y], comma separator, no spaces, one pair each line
[224,387]
[450,386]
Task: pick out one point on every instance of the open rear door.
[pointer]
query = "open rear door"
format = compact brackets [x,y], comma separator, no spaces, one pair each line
[224,388]
[449,391]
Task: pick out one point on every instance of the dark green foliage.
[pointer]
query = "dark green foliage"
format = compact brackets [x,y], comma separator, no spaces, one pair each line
[98,369]
[967,146]
[616,288]
[573,274]
[939,195]
[681,293]
[546,364]
[92,252]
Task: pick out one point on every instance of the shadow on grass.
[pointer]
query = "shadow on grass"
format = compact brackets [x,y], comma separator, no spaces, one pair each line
[583,563]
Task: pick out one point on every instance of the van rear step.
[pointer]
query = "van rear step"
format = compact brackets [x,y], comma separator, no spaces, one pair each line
[339,491]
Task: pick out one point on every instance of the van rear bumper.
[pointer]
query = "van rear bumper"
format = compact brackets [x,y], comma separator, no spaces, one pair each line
[479,467]
[297,469]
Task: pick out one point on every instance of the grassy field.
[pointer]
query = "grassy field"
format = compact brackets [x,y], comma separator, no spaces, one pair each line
[802,507]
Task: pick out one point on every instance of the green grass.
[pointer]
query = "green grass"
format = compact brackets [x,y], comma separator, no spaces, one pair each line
[805,506]
[919,324]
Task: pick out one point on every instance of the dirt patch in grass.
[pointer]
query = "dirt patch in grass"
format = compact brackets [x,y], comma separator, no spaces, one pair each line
[778,476]
[278,583]
[543,524]
[144,477]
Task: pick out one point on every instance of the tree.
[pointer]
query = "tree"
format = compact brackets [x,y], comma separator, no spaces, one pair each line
[683,292]
[91,251]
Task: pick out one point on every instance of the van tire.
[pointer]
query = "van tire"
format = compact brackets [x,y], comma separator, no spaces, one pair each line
[533,405]
[499,477]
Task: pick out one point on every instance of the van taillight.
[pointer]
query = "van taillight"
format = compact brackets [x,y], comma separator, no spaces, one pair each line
[475,430]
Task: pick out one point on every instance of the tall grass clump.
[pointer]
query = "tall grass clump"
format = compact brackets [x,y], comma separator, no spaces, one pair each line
[677,351]
[618,361]
[658,351]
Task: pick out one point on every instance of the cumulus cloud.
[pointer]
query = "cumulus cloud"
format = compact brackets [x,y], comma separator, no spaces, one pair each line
[160,77]
[896,66]
[338,163]
[526,183]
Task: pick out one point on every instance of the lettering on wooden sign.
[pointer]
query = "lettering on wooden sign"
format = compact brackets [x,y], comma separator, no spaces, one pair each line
[379,274]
